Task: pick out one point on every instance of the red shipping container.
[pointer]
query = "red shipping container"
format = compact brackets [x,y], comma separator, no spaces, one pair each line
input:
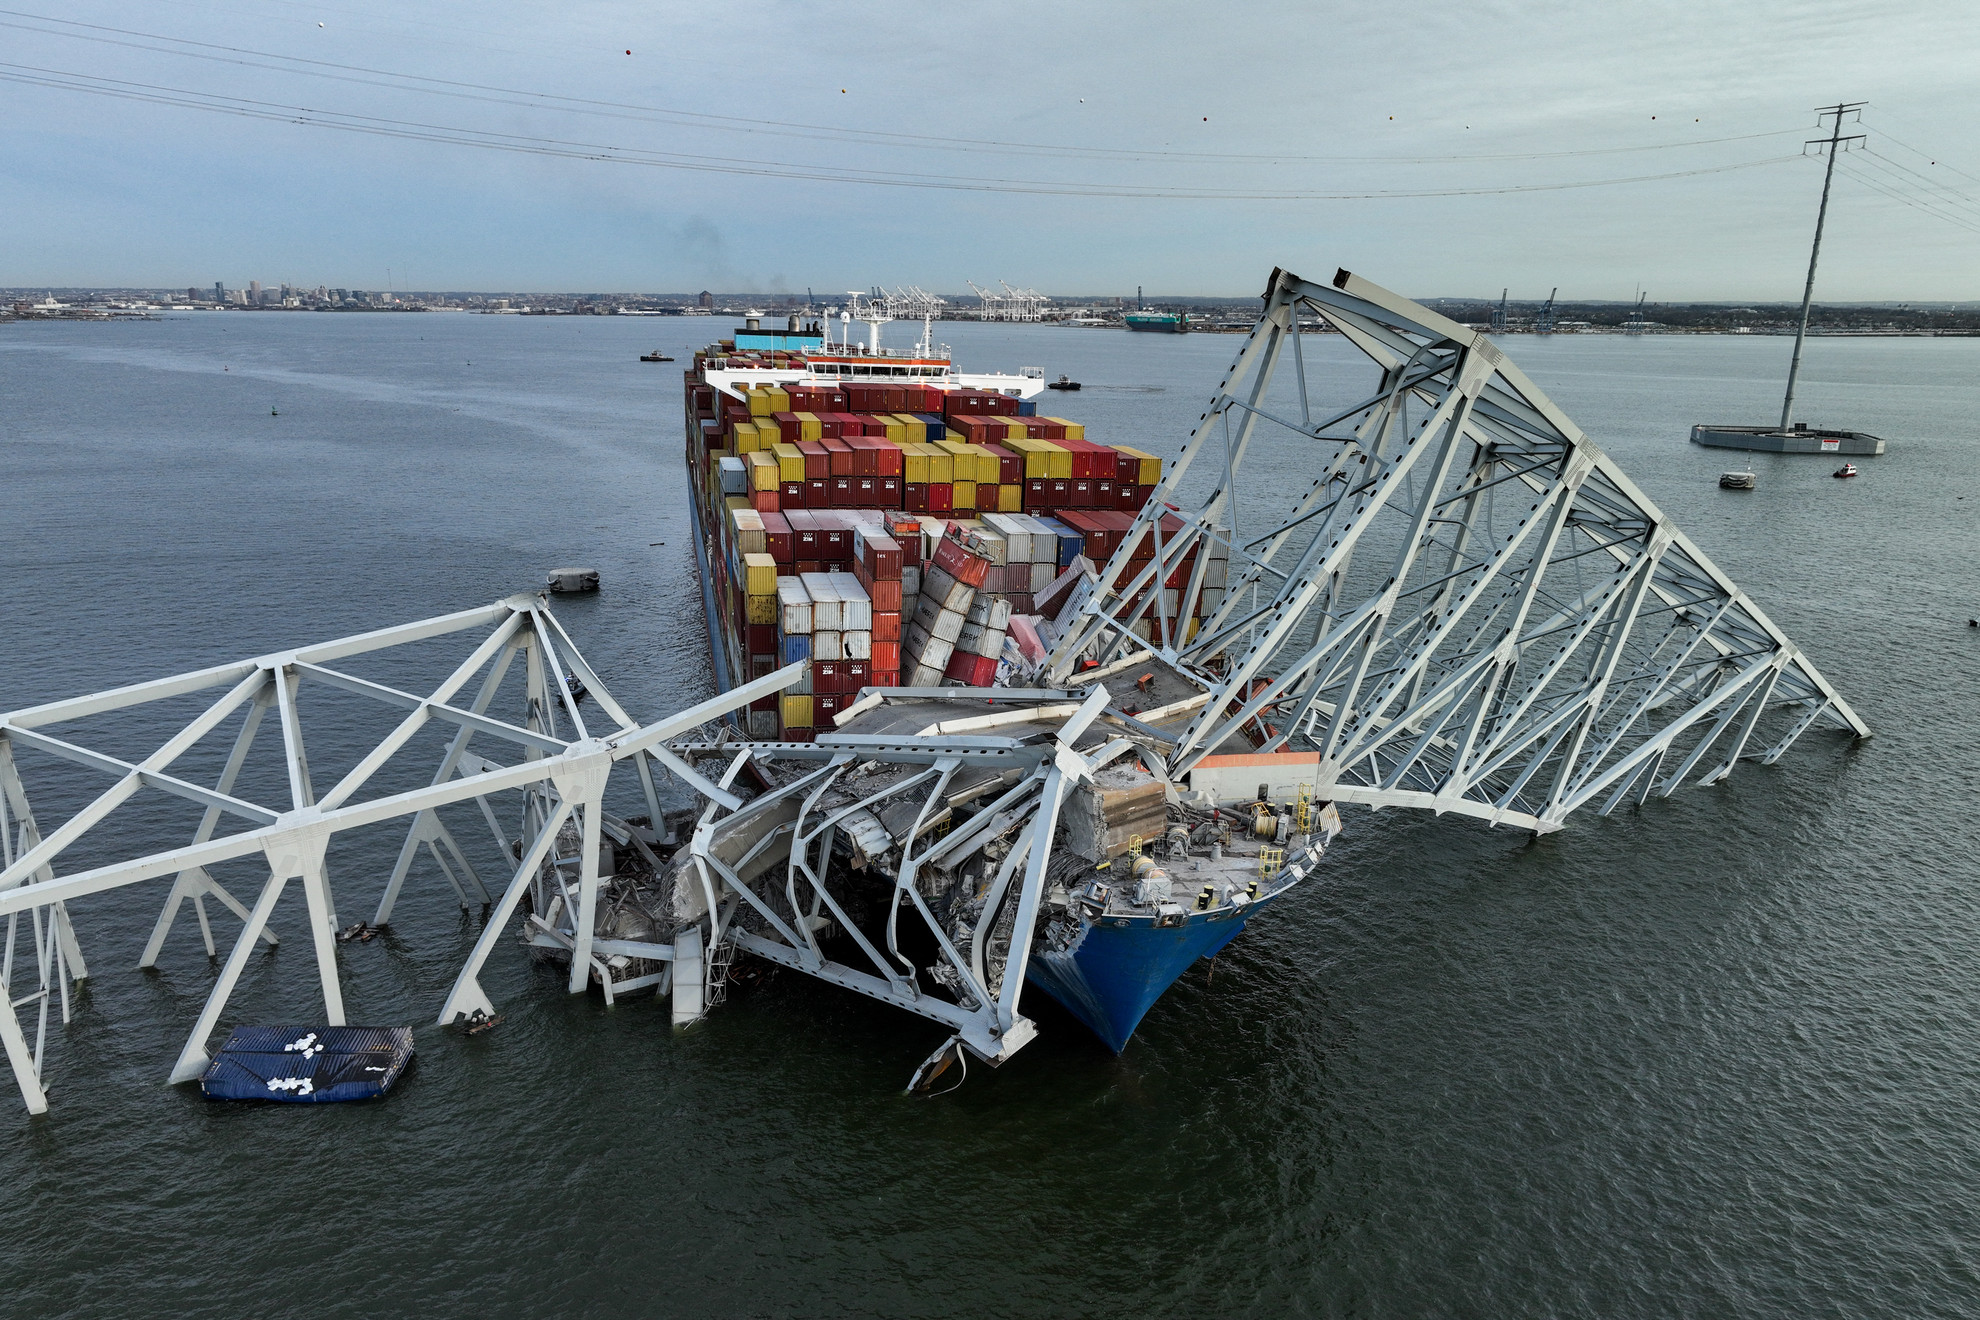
[886,655]
[858,674]
[789,429]
[865,461]
[941,497]
[764,703]
[1103,495]
[765,501]
[883,556]
[824,705]
[790,495]
[839,455]
[817,460]
[798,735]
[892,461]
[1080,493]
[842,491]
[817,492]
[971,670]
[1143,494]
[886,678]
[1035,492]
[914,496]
[886,626]
[954,559]
[781,543]
[809,566]
[838,540]
[762,638]
[885,593]
[804,533]
[826,676]
[1058,494]
[891,491]
[1127,468]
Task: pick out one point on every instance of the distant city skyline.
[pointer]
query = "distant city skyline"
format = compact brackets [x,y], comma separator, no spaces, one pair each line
[617,146]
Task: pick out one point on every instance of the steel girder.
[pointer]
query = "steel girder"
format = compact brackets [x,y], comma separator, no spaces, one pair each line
[560,764]
[1522,633]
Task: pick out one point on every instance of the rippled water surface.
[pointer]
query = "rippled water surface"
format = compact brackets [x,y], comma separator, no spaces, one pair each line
[1715,1056]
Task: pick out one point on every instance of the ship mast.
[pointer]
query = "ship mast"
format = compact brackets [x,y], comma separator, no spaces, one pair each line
[1834,143]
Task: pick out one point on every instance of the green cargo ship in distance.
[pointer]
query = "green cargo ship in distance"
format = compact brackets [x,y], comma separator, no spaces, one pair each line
[1166,323]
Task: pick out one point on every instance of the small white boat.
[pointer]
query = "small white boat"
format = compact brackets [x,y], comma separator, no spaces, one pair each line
[1846,470]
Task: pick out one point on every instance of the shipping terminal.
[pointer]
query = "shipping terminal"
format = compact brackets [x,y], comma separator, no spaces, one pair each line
[998,703]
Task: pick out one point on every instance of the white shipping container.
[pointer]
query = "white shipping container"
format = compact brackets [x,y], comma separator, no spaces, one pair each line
[976,639]
[1044,541]
[947,626]
[910,581]
[935,655]
[992,544]
[858,644]
[925,676]
[1216,573]
[1041,577]
[826,615]
[793,607]
[1017,537]
[991,612]
[855,607]
[828,646]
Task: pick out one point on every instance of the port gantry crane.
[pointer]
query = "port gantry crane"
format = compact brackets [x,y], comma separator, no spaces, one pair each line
[1469,609]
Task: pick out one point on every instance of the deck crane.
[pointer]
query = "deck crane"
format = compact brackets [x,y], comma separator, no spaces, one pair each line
[1499,313]
[1543,324]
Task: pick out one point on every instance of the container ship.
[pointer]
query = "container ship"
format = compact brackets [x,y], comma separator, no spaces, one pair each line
[1161,323]
[911,534]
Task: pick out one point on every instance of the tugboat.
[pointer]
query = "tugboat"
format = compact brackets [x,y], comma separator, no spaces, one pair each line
[1846,470]
[1062,383]
[1737,480]
[655,356]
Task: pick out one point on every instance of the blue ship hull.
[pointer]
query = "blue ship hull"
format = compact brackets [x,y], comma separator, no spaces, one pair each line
[1116,968]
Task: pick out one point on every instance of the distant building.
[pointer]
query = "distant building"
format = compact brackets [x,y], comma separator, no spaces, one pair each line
[707,301]
[219,291]
[192,294]
[254,291]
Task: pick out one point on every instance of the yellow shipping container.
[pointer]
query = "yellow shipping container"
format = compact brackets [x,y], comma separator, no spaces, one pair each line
[913,427]
[790,463]
[1042,458]
[780,401]
[759,609]
[1010,498]
[758,401]
[914,464]
[763,474]
[1074,431]
[941,464]
[809,427]
[896,428]
[736,502]
[760,579]
[963,494]
[988,469]
[1151,466]
[797,712]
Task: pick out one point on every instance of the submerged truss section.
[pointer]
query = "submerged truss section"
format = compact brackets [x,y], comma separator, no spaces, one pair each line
[546,770]
[1462,604]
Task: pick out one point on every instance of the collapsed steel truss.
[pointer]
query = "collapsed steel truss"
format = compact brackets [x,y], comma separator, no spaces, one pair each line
[1523,632]
[562,768]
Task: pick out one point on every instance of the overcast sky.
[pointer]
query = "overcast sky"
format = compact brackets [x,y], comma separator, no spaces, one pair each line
[1088,148]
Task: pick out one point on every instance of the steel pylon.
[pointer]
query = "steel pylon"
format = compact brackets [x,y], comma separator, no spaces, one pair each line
[1460,603]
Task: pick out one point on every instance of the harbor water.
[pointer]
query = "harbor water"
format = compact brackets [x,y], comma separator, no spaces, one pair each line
[1718,1055]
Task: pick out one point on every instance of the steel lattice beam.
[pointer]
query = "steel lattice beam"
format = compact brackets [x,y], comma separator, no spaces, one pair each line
[1469,607]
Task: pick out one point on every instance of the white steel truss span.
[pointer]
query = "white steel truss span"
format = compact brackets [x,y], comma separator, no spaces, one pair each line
[1465,605]
[557,760]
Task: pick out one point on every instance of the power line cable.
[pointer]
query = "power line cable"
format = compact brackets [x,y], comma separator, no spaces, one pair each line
[1929,184]
[246,57]
[242,107]
[1876,185]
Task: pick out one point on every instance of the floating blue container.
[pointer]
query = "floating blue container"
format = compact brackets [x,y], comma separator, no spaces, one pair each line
[308,1065]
